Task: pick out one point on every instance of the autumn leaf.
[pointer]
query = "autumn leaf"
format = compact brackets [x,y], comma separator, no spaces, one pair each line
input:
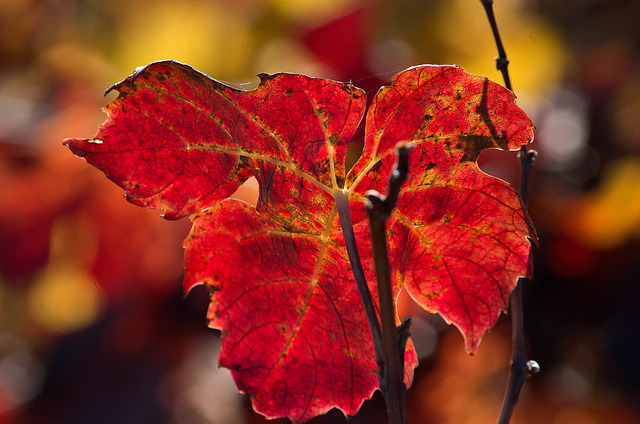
[458,236]
[293,328]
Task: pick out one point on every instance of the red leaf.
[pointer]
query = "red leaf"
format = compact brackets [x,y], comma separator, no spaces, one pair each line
[292,322]
[293,327]
[178,141]
[459,234]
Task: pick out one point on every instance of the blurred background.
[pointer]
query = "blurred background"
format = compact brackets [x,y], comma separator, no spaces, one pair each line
[93,326]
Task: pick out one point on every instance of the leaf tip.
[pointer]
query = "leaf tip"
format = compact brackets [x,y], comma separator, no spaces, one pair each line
[471,344]
[72,144]
[108,90]
[172,215]
[131,78]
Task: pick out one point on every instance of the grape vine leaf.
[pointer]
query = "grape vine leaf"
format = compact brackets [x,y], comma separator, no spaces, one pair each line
[294,334]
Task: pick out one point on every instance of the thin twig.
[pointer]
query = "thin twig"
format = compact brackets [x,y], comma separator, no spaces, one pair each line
[394,340]
[501,61]
[520,368]
[389,343]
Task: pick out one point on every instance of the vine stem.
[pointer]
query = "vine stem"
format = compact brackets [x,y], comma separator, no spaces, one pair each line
[344,214]
[520,368]
[394,340]
[389,341]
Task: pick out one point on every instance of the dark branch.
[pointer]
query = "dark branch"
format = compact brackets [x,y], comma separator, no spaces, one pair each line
[502,62]
[394,340]
[520,368]
[527,157]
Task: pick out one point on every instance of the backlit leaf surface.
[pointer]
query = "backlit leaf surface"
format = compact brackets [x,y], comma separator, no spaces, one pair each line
[294,332]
